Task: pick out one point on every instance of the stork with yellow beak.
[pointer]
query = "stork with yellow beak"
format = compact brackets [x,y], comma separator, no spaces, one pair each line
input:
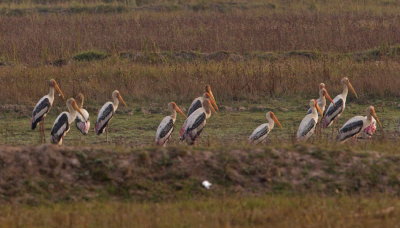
[166,127]
[354,126]
[107,112]
[43,107]
[198,102]
[336,108]
[82,122]
[63,122]
[321,101]
[196,122]
[307,125]
[261,132]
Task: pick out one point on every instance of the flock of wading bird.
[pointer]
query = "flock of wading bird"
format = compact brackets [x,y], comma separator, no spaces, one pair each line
[198,113]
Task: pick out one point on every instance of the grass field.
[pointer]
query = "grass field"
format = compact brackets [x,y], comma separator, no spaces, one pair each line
[239,211]
[257,55]
[137,124]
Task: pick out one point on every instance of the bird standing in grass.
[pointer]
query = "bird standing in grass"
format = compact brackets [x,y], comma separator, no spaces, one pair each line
[107,112]
[196,122]
[166,127]
[43,107]
[336,108]
[354,126]
[198,102]
[307,125]
[261,132]
[82,122]
[63,122]
[321,101]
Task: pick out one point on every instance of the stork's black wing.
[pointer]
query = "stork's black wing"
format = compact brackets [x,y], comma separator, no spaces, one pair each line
[334,110]
[310,125]
[200,119]
[39,111]
[194,107]
[260,133]
[167,128]
[59,128]
[350,130]
[103,119]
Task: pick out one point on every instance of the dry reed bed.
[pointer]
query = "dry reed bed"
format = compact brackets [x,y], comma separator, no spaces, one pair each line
[231,81]
[40,38]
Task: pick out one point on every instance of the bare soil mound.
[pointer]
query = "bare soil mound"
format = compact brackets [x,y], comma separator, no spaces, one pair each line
[37,174]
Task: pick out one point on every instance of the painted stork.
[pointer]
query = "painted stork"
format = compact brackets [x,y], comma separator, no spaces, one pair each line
[82,122]
[196,122]
[107,112]
[321,101]
[336,108]
[307,125]
[198,102]
[43,107]
[261,132]
[63,122]
[355,125]
[369,131]
[166,127]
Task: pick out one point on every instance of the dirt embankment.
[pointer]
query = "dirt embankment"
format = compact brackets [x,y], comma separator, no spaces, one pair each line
[51,173]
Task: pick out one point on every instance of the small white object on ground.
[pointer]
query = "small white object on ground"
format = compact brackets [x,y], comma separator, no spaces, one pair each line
[206,184]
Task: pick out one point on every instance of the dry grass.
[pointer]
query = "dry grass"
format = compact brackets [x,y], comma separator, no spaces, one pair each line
[39,38]
[231,81]
[264,211]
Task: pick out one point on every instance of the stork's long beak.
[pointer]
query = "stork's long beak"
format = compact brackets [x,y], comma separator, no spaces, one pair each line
[318,109]
[211,106]
[352,89]
[76,107]
[215,102]
[327,96]
[180,111]
[59,90]
[276,120]
[121,100]
[377,120]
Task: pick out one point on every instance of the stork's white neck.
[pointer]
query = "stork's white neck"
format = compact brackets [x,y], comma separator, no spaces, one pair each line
[345,90]
[271,122]
[321,95]
[173,114]
[51,92]
[72,113]
[115,102]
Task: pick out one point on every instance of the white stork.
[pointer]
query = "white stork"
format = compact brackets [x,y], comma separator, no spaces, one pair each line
[43,107]
[166,127]
[321,101]
[63,122]
[336,108]
[196,122]
[198,102]
[107,112]
[82,122]
[261,132]
[307,125]
[357,124]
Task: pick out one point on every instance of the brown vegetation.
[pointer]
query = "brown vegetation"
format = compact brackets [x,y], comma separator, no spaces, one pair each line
[41,38]
[232,81]
[52,173]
